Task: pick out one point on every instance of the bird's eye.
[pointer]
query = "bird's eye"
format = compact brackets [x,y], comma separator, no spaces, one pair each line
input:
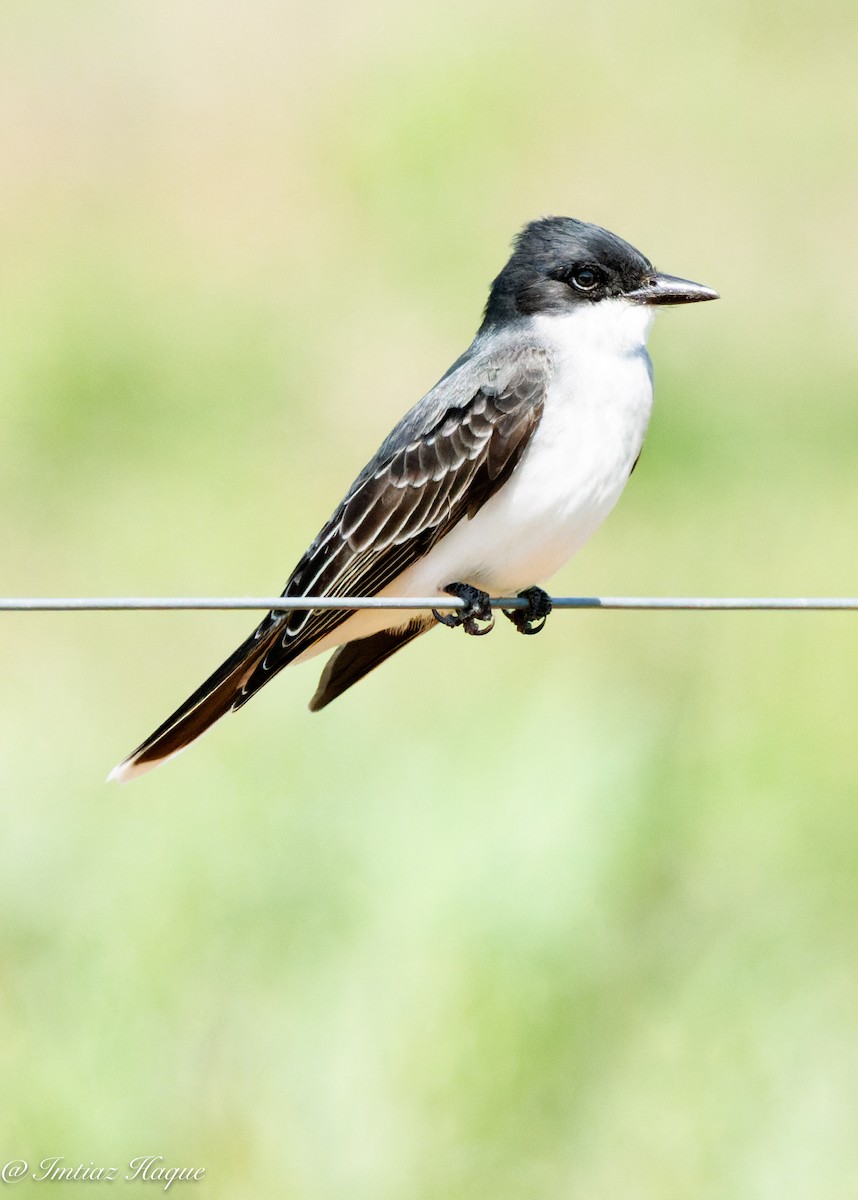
[585,279]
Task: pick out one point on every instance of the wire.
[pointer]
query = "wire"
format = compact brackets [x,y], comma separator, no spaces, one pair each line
[288,603]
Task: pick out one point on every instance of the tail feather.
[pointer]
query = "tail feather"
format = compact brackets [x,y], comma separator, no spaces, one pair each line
[208,704]
[353,660]
[226,689]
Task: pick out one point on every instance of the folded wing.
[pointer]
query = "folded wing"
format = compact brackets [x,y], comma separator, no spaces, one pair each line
[438,467]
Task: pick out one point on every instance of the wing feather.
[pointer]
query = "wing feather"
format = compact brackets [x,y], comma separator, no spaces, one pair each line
[412,495]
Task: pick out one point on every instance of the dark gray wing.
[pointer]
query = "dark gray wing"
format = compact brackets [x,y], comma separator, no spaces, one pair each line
[443,461]
[439,466]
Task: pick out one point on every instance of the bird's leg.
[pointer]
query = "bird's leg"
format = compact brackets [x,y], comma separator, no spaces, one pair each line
[532,618]
[476,609]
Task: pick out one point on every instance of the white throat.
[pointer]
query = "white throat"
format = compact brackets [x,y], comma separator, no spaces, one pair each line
[607,327]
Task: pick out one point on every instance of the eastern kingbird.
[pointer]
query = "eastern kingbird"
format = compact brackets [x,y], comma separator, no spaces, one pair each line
[489,483]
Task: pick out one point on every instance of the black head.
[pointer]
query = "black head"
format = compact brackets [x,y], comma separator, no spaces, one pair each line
[559,263]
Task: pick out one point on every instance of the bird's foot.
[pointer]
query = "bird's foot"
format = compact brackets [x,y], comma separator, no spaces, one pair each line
[531,619]
[476,610]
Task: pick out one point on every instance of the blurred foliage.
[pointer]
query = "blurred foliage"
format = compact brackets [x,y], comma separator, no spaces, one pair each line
[562,918]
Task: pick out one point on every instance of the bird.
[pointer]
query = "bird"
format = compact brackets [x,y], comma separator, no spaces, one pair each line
[489,483]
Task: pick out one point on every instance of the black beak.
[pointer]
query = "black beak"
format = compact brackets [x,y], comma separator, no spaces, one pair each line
[667,289]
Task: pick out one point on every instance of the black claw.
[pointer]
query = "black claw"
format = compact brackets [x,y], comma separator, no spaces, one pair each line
[477,608]
[531,619]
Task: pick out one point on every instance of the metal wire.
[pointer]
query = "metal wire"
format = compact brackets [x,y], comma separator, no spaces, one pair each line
[285,604]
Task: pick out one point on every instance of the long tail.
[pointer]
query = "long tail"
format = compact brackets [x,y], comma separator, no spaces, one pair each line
[208,704]
[236,680]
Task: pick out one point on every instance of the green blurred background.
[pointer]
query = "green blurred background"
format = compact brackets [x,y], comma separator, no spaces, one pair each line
[573,917]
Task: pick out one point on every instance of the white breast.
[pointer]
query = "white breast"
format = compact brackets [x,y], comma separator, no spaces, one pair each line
[577,463]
